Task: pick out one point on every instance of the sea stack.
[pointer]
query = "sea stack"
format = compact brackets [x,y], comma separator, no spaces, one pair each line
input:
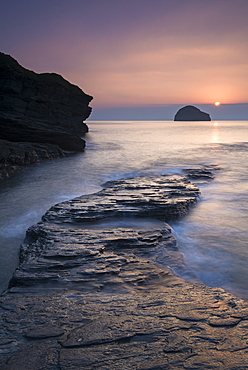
[191,113]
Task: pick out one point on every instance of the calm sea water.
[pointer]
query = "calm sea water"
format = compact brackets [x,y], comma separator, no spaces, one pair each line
[213,237]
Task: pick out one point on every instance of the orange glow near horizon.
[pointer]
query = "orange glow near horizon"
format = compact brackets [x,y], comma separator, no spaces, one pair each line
[174,52]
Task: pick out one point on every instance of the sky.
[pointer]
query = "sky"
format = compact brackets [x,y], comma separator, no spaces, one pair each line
[134,53]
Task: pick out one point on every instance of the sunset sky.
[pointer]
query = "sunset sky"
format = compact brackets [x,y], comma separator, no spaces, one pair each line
[134,52]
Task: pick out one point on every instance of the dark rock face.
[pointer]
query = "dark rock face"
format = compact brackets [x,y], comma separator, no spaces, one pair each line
[14,129]
[89,294]
[40,99]
[41,108]
[191,113]
[14,156]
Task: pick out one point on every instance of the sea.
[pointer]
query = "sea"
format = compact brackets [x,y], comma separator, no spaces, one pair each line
[213,237]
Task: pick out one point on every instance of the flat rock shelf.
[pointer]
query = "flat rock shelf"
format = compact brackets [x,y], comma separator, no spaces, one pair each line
[89,293]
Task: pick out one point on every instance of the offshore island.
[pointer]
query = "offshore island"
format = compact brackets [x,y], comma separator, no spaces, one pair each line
[87,297]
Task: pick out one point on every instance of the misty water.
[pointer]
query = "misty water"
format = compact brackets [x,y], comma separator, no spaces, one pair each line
[212,237]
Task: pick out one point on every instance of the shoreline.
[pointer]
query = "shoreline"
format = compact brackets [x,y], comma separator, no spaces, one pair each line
[17,155]
[87,298]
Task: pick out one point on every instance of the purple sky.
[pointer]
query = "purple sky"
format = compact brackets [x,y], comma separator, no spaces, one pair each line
[134,52]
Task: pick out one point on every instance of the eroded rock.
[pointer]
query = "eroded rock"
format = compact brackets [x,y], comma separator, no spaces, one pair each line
[89,260]
[163,197]
[90,295]
[38,108]
[14,156]
[33,100]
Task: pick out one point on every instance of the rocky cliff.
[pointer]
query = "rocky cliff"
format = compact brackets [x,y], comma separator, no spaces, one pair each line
[39,108]
[191,113]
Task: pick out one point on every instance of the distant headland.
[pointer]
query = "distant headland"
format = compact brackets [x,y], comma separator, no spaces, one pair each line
[191,113]
[41,116]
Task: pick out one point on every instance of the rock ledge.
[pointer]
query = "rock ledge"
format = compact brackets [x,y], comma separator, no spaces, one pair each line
[88,293]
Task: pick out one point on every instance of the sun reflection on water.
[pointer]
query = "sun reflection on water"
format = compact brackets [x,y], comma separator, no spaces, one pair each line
[215,133]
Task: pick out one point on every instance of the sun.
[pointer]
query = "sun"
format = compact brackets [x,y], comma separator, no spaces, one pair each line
[217,103]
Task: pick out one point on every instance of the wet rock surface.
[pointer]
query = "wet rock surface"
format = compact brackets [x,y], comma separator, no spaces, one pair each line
[95,292]
[13,156]
[164,197]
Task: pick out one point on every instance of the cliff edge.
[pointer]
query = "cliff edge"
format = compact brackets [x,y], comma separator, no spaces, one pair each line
[38,108]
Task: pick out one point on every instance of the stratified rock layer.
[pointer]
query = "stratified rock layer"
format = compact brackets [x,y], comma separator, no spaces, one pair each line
[41,100]
[89,293]
[14,156]
[164,197]
[191,113]
[39,108]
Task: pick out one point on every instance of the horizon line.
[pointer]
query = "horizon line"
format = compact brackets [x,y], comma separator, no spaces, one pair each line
[161,105]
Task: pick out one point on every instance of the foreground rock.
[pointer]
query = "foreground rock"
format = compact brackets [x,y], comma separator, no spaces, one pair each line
[89,293]
[191,113]
[180,327]
[40,108]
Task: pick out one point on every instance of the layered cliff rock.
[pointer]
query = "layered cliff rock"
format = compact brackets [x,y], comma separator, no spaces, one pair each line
[14,156]
[191,113]
[40,108]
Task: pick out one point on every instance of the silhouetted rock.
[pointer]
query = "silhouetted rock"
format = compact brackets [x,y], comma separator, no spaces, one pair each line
[191,113]
[14,156]
[41,108]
